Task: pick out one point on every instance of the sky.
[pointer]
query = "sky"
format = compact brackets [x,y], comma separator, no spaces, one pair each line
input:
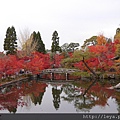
[74,20]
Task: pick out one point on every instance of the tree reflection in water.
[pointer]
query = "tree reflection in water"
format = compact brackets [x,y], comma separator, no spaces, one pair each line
[83,95]
[73,95]
[85,99]
[117,99]
[14,95]
[56,96]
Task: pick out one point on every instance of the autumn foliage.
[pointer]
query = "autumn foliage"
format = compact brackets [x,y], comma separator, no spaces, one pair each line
[35,63]
[98,57]
[101,40]
[11,64]
[14,97]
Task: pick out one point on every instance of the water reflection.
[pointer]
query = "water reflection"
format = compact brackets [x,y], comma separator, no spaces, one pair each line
[117,99]
[31,93]
[21,95]
[56,96]
[96,95]
[75,95]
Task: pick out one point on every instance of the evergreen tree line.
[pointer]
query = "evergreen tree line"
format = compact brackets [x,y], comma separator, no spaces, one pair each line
[11,44]
[34,43]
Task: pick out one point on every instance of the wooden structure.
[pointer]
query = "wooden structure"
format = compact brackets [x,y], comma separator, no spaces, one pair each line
[59,71]
[51,72]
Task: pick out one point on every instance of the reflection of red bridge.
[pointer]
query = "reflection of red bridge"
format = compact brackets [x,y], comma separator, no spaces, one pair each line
[57,72]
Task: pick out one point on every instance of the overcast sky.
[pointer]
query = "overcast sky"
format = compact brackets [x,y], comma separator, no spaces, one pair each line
[74,20]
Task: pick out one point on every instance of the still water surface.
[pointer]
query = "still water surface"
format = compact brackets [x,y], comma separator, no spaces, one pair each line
[59,97]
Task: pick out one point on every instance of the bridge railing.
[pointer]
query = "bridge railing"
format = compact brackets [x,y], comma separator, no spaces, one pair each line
[59,70]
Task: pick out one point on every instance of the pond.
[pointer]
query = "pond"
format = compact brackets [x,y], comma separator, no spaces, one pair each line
[35,96]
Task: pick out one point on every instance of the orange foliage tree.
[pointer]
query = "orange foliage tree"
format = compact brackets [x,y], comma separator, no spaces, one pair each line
[101,40]
[103,55]
[96,57]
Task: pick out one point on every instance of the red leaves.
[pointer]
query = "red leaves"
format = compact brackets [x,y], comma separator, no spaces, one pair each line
[98,93]
[98,49]
[14,98]
[10,64]
[58,59]
[117,41]
[92,62]
[38,62]
[100,58]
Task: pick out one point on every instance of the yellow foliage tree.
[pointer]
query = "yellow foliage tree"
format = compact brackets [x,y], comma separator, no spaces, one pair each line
[117,52]
[101,40]
[117,35]
[27,46]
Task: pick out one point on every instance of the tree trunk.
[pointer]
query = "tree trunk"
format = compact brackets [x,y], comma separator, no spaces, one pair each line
[89,87]
[89,68]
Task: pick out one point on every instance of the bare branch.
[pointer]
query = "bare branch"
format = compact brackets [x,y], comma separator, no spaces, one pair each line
[27,44]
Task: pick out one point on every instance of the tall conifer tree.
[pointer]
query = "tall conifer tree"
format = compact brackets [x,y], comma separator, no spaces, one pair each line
[10,42]
[40,45]
[55,44]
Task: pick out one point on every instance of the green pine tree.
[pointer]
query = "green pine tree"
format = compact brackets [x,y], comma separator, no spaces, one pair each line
[10,42]
[40,45]
[55,44]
